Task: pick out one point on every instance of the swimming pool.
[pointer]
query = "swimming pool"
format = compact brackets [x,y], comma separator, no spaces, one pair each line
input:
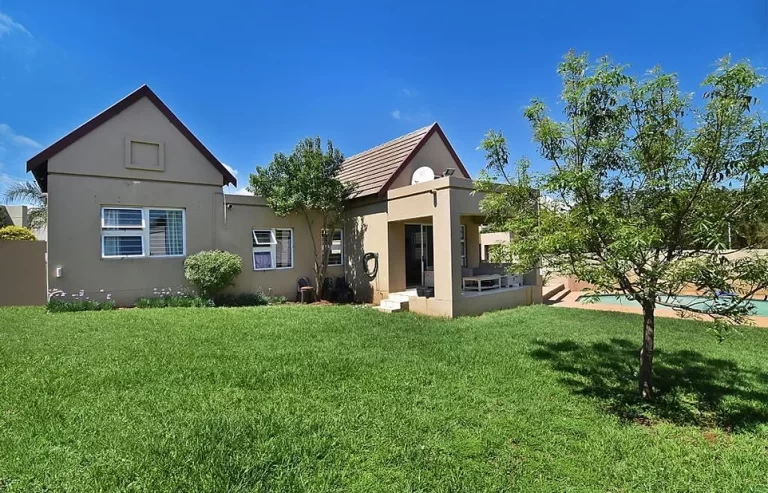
[760,308]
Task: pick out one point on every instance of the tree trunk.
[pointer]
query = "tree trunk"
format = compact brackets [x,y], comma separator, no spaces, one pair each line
[646,353]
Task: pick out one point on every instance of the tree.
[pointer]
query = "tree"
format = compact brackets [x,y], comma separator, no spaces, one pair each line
[29,192]
[307,182]
[642,187]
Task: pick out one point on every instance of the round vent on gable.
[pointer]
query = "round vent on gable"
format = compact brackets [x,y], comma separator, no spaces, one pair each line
[422,174]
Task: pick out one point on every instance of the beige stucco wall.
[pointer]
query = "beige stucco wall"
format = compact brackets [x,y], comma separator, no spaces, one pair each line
[433,154]
[488,239]
[234,235]
[367,230]
[475,305]
[74,231]
[102,151]
[22,273]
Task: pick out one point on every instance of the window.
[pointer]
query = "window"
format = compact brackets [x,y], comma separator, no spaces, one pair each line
[166,232]
[463,246]
[272,249]
[336,257]
[142,232]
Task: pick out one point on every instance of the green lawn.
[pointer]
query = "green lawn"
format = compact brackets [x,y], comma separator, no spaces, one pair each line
[298,398]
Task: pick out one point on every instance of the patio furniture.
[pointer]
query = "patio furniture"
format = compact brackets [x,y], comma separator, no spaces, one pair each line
[302,293]
[481,283]
[307,294]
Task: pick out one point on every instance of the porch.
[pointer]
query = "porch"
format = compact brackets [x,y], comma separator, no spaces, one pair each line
[434,254]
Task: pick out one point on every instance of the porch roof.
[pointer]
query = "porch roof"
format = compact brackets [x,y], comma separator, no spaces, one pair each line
[422,199]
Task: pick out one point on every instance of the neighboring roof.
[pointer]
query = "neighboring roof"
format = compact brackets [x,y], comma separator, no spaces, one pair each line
[38,165]
[374,170]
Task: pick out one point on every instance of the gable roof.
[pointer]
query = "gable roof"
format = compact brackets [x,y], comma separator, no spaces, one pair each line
[374,170]
[38,164]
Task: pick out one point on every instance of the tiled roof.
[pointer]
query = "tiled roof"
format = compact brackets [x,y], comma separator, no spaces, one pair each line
[371,170]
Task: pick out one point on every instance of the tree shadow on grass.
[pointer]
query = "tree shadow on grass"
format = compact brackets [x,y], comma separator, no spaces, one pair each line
[691,389]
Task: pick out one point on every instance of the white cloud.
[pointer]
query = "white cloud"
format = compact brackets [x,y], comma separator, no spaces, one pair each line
[231,169]
[8,135]
[10,26]
[229,189]
[420,116]
[406,92]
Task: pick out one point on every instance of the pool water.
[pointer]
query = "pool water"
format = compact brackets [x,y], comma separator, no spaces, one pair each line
[759,308]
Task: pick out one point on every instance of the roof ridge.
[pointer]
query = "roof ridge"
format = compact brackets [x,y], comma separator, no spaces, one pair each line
[426,128]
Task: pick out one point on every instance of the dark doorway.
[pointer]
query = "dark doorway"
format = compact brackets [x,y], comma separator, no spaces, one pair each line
[419,253]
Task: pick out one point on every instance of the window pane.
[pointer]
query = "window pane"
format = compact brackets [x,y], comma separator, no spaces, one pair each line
[334,259]
[283,248]
[119,246]
[262,237]
[337,235]
[122,218]
[262,260]
[166,232]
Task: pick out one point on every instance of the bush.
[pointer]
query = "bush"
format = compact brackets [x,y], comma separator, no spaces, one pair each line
[240,299]
[211,271]
[248,299]
[223,299]
[174,301]
[59,305]
[17,233]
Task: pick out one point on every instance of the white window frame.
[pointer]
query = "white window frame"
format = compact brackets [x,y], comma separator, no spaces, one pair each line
[463,241]
[142,231]
[271,248]
[341,247]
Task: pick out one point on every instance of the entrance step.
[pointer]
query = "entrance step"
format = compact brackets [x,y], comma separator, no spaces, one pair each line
[388,310]
[403,298]
[560,296]
[551,290]
[395,303]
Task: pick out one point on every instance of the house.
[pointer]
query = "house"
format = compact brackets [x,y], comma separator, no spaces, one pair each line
[132,192]
[18,215]
[488,240]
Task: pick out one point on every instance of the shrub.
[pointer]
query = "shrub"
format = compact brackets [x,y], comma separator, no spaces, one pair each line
[59,305]
[16,233]
[175,301]
[240,299]
[211,271]
[222,299]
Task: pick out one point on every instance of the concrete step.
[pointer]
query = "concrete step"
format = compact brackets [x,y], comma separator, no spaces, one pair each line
[394,304]
[388,310]
[550,291]
[399,297]
[560,296]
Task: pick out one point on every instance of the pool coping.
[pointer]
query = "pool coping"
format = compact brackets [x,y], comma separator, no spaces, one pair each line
[571,301]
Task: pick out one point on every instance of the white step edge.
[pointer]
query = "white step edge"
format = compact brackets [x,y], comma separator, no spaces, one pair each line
[399,297]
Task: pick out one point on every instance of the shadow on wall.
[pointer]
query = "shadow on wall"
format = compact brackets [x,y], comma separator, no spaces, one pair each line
[357,277]
[5,218]
[691,389]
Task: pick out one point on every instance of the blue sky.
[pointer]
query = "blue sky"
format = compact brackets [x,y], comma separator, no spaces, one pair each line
[252,78]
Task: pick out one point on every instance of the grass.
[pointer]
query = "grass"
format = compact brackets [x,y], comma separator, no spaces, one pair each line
[307,398]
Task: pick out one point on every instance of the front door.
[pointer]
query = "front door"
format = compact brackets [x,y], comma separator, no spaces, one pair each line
[419,253]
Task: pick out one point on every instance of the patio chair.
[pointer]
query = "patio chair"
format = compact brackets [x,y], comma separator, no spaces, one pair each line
[304,290]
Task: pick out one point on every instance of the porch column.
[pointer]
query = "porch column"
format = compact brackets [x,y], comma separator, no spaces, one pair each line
[447,240]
